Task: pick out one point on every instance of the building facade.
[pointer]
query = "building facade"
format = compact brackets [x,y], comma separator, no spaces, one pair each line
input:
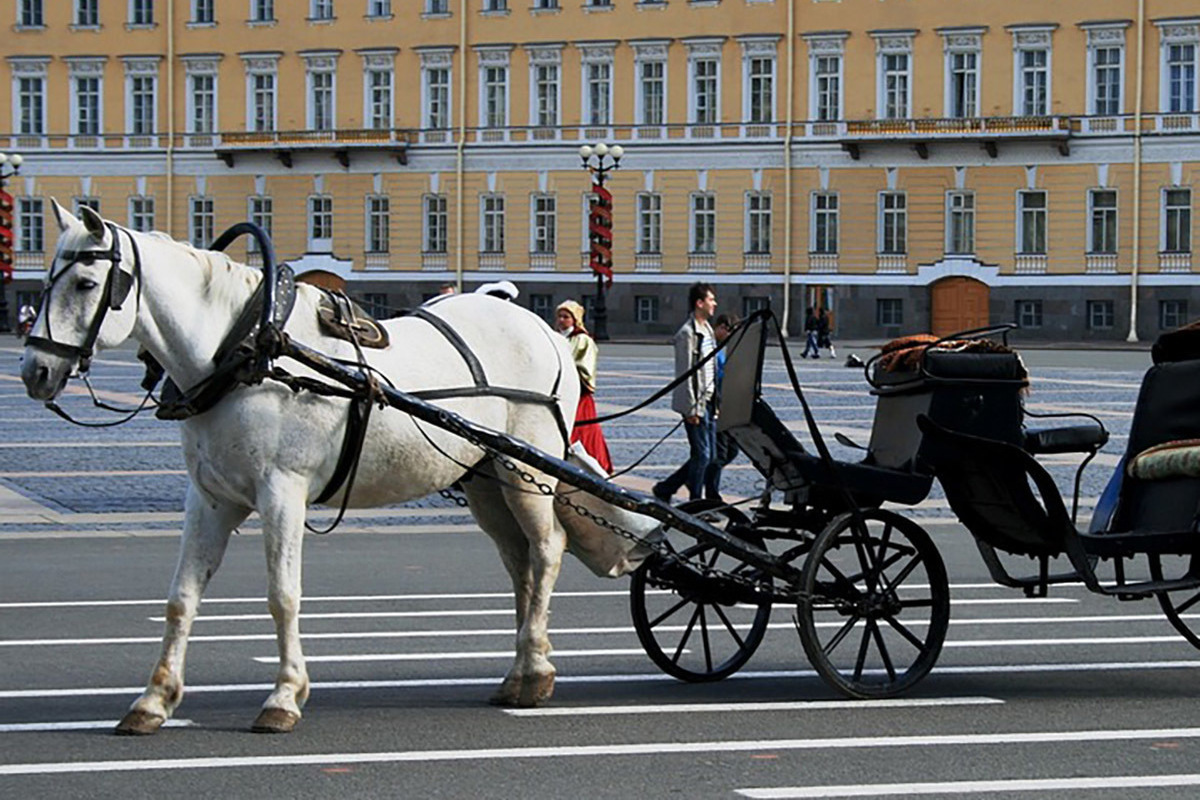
[909,164]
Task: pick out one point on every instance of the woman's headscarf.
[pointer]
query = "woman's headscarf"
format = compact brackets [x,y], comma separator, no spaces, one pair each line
[575,310]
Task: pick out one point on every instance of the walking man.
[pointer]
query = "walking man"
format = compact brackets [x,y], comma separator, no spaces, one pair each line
[693,398]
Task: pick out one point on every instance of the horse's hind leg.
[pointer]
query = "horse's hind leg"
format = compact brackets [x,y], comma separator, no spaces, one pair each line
[282,507]
[531,545]
[206,528]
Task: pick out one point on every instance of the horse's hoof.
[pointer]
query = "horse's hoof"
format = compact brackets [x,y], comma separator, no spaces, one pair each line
[535,690]
[275,720]
[139,723]
[504,696]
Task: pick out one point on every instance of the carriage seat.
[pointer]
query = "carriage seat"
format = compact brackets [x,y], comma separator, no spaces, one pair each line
[1070,439]
[783,461]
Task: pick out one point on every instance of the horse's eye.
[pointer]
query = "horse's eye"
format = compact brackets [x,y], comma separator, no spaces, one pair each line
[85,284]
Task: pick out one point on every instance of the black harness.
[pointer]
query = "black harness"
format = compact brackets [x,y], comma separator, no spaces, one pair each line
[116,288]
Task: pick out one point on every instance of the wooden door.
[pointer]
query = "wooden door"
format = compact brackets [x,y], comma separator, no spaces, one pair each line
[958,304]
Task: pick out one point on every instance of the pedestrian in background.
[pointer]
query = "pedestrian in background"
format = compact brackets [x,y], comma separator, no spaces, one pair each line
[727,449]
[823,334]
[693,398]
[810,334]
[568,318]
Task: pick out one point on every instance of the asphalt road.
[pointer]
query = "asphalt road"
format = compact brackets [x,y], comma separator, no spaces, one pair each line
[408,627]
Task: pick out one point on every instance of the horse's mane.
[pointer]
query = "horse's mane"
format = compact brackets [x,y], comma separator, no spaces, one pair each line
[222,274]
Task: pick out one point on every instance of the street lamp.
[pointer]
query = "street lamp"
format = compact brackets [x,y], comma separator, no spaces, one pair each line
[6,234]
[600,225]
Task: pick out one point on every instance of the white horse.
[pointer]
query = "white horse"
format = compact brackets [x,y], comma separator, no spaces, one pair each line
[268,449]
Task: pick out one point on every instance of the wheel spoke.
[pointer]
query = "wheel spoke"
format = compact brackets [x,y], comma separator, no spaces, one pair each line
[1184,606]
[729,626]
[832,644]
[862,649]
[670,611]
[839,578]
[924,602]
[903,630]
[704,638]
[687,634]
[883,653]
[883,544]
[913,563]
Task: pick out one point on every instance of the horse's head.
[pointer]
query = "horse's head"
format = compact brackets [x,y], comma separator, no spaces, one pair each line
[83,301]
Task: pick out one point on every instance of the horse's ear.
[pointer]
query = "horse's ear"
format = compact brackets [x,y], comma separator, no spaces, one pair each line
[63,217]
[93,223]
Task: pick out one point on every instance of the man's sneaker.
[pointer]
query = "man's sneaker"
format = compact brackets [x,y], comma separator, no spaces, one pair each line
[661,493]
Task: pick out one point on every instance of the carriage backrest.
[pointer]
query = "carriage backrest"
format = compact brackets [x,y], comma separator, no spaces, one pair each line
[1000,493]
[742,384]
[1168,409]
[977,393]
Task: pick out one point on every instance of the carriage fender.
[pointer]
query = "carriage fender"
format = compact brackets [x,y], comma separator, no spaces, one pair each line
[604,552]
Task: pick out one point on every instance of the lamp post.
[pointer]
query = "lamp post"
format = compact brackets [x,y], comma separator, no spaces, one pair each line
[6,234]
[600,225]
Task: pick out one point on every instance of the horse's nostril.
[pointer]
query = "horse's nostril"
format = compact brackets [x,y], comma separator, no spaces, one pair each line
[43,374]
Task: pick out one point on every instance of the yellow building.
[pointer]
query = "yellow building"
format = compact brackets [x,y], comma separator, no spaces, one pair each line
[911,164]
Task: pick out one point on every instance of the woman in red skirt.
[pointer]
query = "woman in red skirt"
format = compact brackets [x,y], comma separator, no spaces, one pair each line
[569,320]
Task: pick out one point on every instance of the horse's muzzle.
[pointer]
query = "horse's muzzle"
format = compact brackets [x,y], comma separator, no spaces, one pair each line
[44,375]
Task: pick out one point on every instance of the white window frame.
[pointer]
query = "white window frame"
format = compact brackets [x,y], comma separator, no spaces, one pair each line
[649,222]
[319,68]
[435,222]
[898,214]
[759,218]
[206,69]
[1167,212]
[262,11]
[543,228]
[379,9]
[1103,37]
[646,309]
[545,70]
[92,7]
[260,209]
[596,56]
[379,115]
[80,70]
[963,81]
[318,224]
[1101,315]
[759,49]
[143,8]
[824,236]
[1024,214]
[497,59]
[208,6]
[1032,39]
[958,208]
[138,70]
[34,71]
[1115,212]
[142,213]
[1173,34]
[201,220]
[492,223]
[265,66]
[894,43]
[30,218]
[31,14]
[654,56]
[378,217]
[320,10]
[705,52]
[702,219]
[438,61]
[827,48]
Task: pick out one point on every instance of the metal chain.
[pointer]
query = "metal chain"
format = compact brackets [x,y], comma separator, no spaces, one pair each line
[661,547]
[458,499]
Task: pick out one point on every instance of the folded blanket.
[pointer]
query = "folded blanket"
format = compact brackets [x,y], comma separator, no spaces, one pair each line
[1178,459]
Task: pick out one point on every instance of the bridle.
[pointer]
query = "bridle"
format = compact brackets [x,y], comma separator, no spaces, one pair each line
[116,289]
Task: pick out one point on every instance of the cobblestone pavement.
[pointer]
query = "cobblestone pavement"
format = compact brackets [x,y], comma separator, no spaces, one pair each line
[56,476]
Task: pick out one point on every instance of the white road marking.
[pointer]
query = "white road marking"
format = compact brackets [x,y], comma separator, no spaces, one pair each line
[594,751]
[78,725]
[976,787]
[647,677]
[709,708]
[1057,642]
[476,655]
[463,612]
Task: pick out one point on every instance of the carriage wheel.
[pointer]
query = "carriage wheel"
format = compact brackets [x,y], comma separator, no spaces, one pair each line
[698,630]
[1177,604]
[876,604]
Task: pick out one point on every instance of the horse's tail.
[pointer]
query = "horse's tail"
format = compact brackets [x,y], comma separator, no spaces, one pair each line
[605,553]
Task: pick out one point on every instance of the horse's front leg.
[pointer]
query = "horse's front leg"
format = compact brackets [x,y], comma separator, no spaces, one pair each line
[282,507]
[206,528]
